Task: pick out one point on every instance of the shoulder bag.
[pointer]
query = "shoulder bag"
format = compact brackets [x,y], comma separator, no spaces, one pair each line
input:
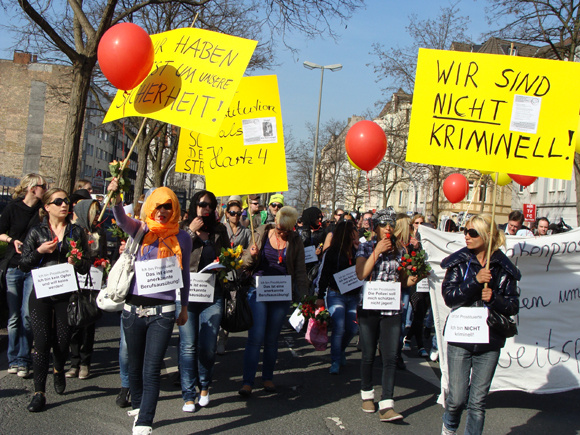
[501,324]
[82,306]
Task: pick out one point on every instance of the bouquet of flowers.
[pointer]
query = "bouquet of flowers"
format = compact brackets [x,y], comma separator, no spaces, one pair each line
[309,310]
[117,232]
[122,177]
[75,252]
[104,264]
[414,264]
[230,259]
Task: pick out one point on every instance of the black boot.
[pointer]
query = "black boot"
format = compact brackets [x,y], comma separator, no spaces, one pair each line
[59,382]
[122,400]
[37,403]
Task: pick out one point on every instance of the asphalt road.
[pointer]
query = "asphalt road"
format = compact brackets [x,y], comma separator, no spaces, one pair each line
[308,401]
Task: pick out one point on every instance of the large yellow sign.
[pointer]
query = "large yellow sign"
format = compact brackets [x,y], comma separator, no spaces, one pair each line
[495,113]
[193,80]
[248,154]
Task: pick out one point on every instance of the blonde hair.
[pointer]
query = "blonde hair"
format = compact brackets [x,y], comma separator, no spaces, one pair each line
[46,200]
[28,182]
[482,224]
[403,231]
[94,210]
[81,184]
[287,217]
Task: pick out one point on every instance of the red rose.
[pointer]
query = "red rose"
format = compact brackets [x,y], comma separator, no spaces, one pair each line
[413,253]
[73,244]
[399,268]
[414,269]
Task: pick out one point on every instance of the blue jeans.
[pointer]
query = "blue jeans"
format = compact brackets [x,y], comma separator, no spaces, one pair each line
[18,289]
[342,308]
[197,346]
[268,320]
[372,328]
[464,393]
[123,358]
[147,340]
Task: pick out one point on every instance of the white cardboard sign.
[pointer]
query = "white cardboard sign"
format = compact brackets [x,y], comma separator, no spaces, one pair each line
[346,280]
[96,277]
[380,295]
[273,288]
[423,286]
[159,275]
[54,280]
[202,287]
[310,254]
[467,325]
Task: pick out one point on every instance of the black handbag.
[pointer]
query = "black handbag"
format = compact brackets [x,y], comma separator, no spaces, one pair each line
[502,324]
[82,307]
[237,316]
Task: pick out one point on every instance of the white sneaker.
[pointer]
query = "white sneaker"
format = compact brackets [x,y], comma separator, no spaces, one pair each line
[204,400]
[445,431]
[434,355]
[142,430]
[188,407]
[133,412]
[12,370]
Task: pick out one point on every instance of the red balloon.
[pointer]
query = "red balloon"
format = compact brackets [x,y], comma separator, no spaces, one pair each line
[455,188]
[125,55]
[366,144]
[523,180]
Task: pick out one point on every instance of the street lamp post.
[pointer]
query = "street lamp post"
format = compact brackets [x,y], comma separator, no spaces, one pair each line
[311,65]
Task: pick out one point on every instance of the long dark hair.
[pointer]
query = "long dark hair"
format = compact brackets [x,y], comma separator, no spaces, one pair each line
[342,237]
[209,222]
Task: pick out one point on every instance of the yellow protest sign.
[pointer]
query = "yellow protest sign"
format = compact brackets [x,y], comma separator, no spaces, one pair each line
[193,79]
[495,113]
[248,155]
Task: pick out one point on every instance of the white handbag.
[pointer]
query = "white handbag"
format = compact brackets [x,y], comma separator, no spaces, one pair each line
[112,297]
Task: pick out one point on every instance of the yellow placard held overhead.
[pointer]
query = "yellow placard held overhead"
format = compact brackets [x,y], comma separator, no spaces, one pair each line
[495,113]
[193,79]
[248,155]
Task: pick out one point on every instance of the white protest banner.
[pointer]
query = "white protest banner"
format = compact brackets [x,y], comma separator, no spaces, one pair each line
[310,254]
[545,355]
[54,280]
[202,287]
[274,288]
[346,280]
[467,325]
[423,286]
[297,320]
[95,282]
[380,295]
[159,275]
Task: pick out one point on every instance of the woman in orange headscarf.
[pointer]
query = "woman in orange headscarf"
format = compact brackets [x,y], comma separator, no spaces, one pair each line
[148,315]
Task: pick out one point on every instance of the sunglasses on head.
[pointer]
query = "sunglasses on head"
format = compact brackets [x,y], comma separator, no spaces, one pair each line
[472,233]
[235,213]
[276,205]
[167,206]
[203,204]
[60,201]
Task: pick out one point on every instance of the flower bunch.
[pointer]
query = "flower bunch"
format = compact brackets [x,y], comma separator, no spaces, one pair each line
[414,264]
[122,177]
[230,259]
[309,310]
[104,264]
[117,232]
[75,252]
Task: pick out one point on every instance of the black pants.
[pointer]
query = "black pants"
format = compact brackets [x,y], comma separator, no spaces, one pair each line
[420,303]
[50,329]
[82,342]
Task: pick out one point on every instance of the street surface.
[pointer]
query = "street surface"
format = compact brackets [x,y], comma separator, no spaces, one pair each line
[309,400]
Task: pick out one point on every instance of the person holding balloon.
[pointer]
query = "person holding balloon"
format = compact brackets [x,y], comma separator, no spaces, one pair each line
[379,260]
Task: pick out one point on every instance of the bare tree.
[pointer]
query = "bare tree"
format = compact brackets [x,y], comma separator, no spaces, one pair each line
[298,161]
[73,32]
[555,23]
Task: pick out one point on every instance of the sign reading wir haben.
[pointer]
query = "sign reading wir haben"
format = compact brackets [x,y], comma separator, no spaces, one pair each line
[495,113]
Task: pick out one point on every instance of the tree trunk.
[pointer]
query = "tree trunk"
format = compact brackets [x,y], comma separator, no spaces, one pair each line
[436,189]
[142,148]
[81,81]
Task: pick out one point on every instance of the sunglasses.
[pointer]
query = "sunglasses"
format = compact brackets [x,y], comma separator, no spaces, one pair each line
[60,201]
[42,186]
[235,213]
[384,224]
[276,205]
[472,233]
[203,204]
[255,203]
[340,214]
[167,206]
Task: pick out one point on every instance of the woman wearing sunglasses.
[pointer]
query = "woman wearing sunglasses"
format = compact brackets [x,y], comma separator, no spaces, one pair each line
[198,336]
[148,318]
[278,251]
[48,244]
[237,234]
[17,218]
[471,366]
[379,260]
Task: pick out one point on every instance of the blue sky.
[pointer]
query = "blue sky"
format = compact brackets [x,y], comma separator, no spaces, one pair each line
[353,90]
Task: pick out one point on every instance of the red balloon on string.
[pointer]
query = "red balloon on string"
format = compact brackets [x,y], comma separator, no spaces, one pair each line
[455,188]
[125,55]
[366,144]
[523,180]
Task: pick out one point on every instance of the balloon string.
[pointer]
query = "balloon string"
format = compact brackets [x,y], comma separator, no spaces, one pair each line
[369,189]
[126,94]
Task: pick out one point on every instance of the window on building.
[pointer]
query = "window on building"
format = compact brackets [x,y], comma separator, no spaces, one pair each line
[562,185]
[400,197]
[552,184]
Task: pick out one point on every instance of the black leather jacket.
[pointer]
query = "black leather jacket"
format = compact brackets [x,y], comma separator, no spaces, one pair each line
[38,234]
[460,289]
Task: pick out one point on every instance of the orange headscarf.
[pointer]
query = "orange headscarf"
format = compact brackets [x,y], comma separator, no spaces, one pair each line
[166,233]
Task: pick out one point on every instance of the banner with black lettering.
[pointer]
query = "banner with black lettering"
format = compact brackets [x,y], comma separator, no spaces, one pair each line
[545,355]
